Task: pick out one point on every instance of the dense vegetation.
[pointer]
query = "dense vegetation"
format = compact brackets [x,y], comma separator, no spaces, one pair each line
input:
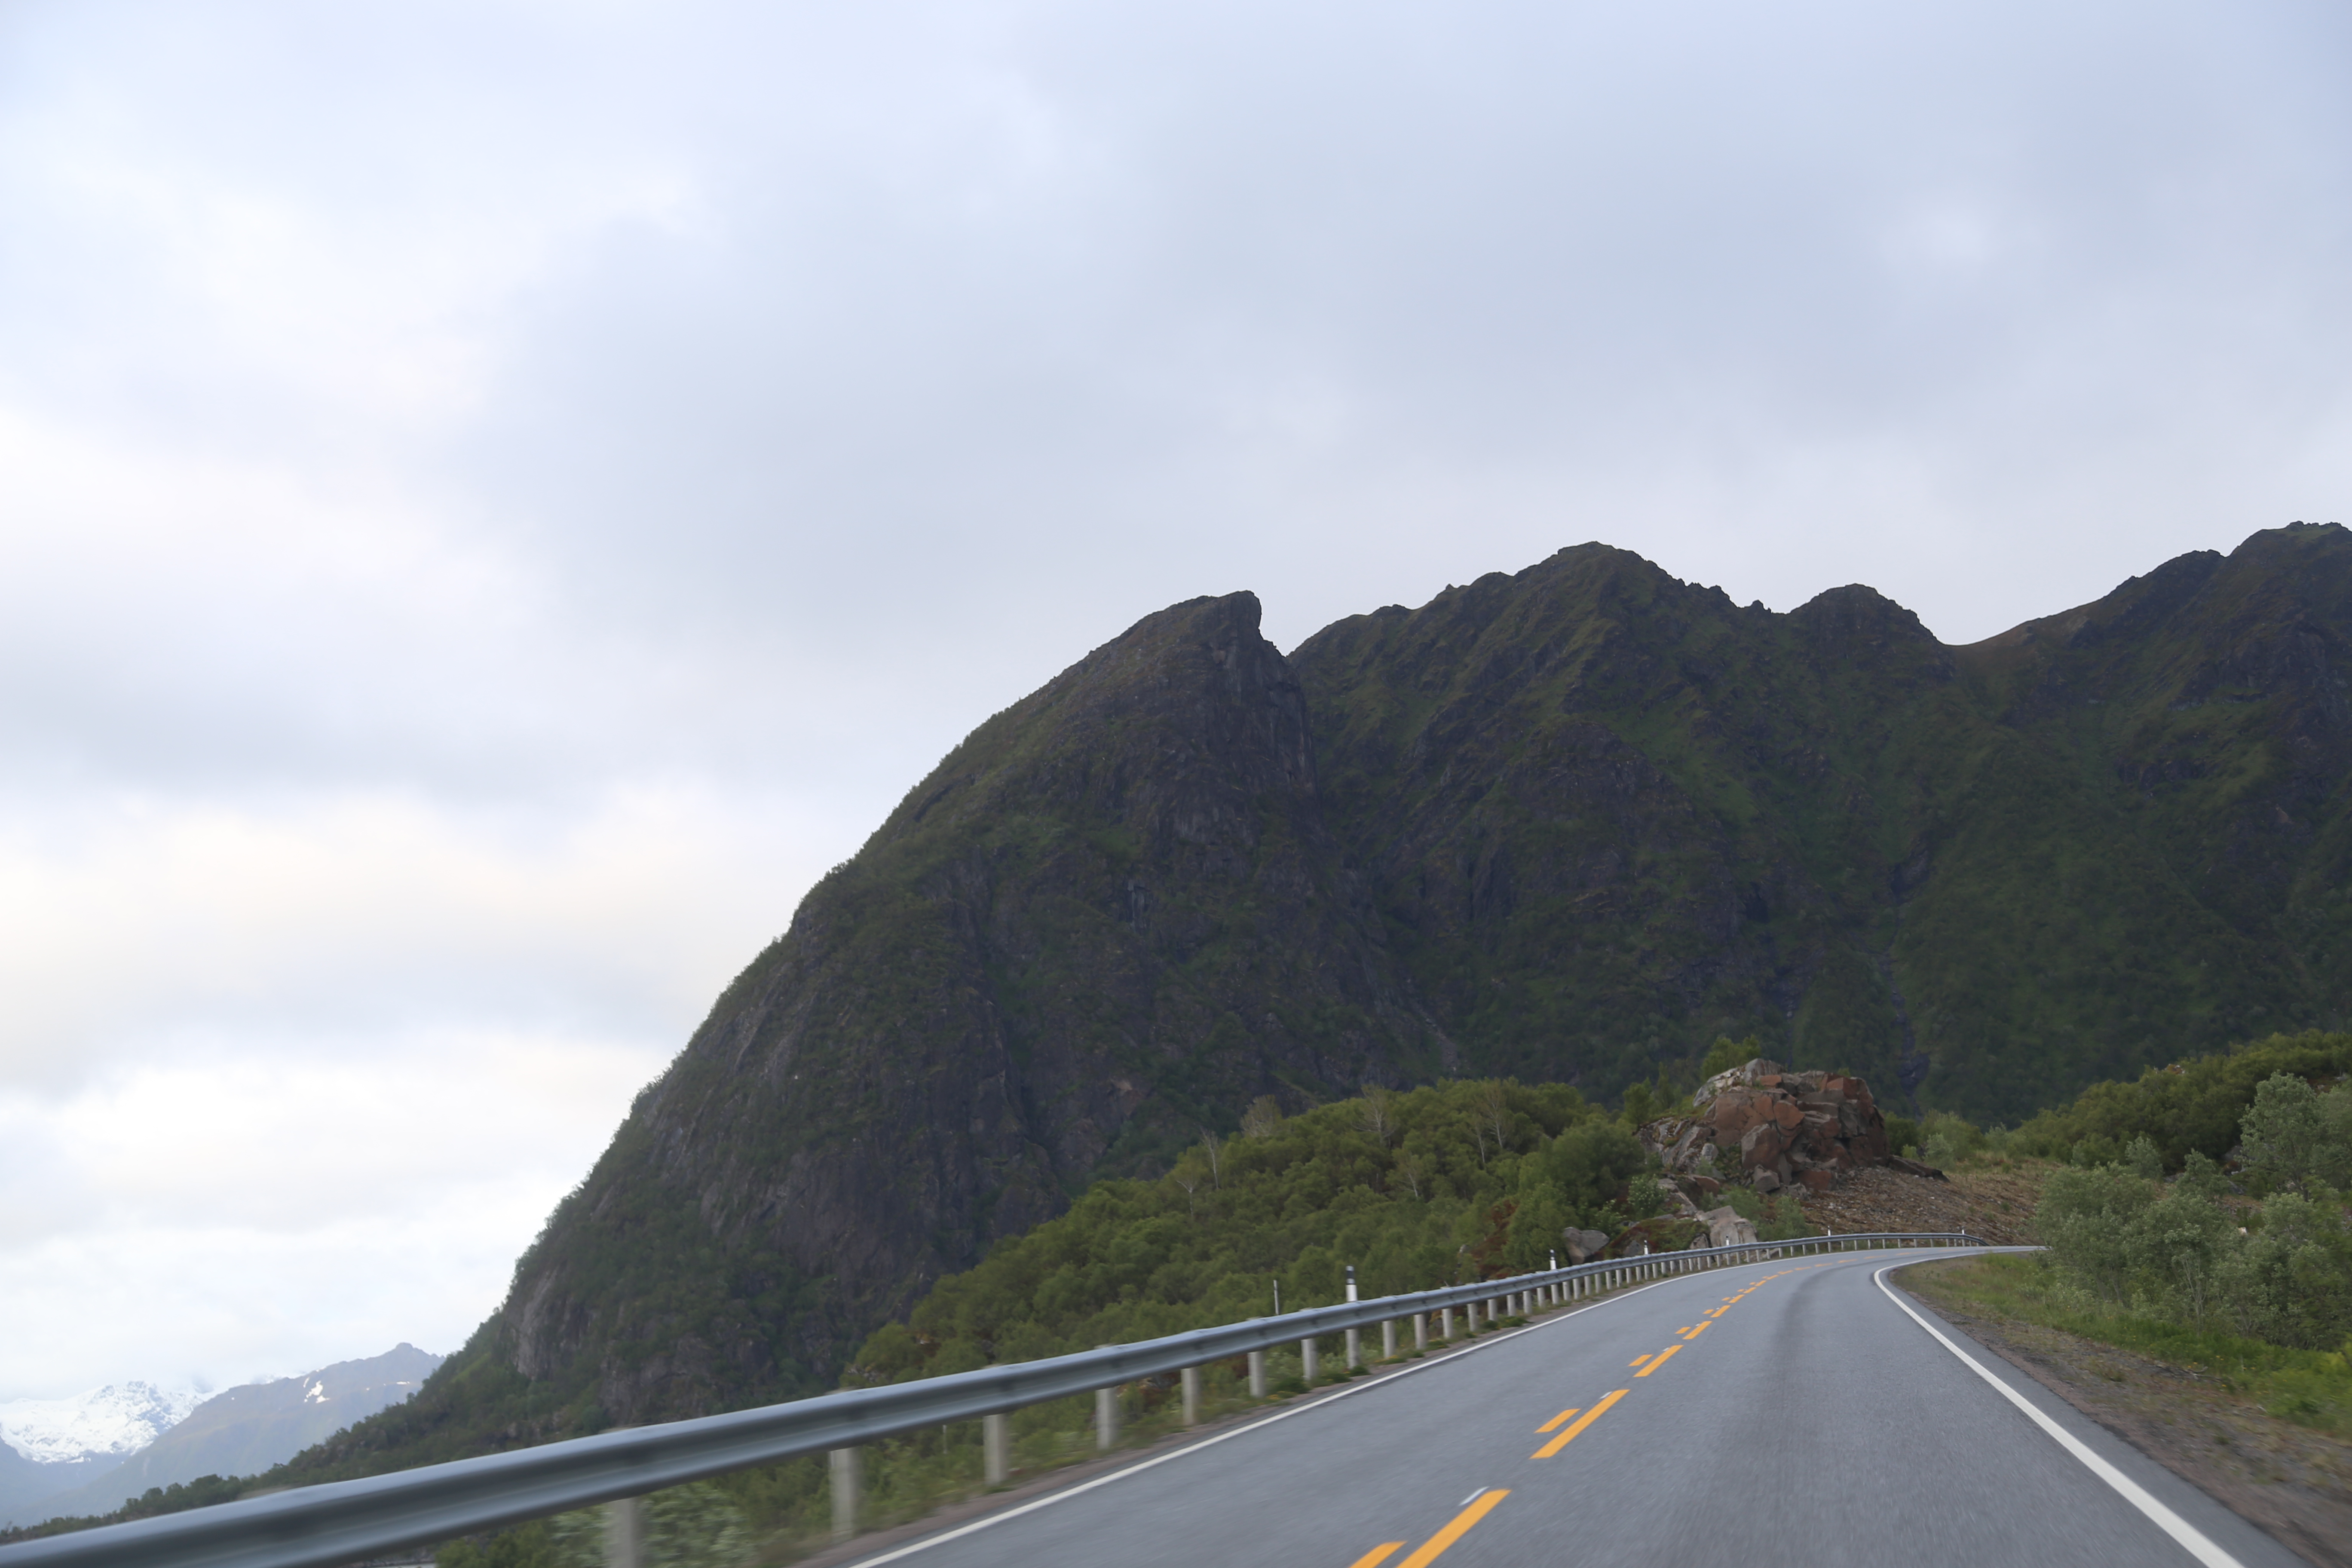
[2267,1256]
[2200,1219]
[2196,1105]
[2209,1196]
[1428,1187]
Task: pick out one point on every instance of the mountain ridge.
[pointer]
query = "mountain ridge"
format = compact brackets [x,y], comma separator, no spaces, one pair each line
[245,1430]
[1567,823]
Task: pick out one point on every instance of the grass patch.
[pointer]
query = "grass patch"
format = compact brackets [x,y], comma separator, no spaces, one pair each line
[2310,1388]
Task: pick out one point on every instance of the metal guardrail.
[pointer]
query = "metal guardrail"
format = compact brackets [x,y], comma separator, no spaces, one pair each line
[344,1521]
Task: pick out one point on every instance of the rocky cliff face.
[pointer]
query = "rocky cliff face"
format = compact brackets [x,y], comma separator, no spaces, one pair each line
[1103,924]
[1567,824]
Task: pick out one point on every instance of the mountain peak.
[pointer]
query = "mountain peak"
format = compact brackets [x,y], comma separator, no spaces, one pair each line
[118,1419]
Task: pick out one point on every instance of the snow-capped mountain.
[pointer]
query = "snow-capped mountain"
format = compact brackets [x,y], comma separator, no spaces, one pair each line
[239,1432]
[117,1419]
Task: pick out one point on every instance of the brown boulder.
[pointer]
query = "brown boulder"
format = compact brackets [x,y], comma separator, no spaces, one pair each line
[1761,1146]
[1781,1122]
[1735,1111]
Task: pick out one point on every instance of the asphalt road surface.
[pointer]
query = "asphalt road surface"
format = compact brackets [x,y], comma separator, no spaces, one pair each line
[1781,1411]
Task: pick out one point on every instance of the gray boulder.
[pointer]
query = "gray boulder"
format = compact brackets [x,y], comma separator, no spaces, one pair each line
[1583,1245]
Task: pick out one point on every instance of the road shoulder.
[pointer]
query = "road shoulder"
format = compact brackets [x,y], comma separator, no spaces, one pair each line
[2288,1481]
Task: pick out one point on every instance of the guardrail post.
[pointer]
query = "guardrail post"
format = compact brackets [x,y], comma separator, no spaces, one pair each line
[1190,1379]
[624,1534]
[996,1448]
[1355,1348]
[1107,1418]
[1470,1318]
[1257,1374]
[1421,1331]
[845,1485]
[1445,1324]
[1310,1359]
[1388,1339]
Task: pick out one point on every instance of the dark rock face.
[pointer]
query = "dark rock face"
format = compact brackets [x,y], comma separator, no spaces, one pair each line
[1106,922]
[1566,824]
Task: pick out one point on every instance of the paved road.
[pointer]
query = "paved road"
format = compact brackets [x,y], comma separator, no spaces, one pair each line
[1799,1414]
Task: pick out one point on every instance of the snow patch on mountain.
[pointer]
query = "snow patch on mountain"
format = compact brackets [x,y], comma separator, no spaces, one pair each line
[120,1418]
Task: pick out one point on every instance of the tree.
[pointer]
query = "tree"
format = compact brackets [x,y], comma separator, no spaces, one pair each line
[1727,1053]
[1591,1166]
[2178,1247]
[1262,1118]
[1494,1110]
[2084,1217]
[2284,1133]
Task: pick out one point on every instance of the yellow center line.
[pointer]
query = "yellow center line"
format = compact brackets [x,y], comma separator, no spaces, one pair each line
[1553,1424]
[1658,1361]
[1377,1556]
[1637,1361]
[1434,1547]
[1696,1331]
[1553,1448]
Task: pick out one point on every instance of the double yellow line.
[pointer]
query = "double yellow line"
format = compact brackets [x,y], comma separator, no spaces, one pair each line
[1484,1503]
[1455,1529]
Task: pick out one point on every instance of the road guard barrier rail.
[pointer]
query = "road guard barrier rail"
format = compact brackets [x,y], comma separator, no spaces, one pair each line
[352,1521]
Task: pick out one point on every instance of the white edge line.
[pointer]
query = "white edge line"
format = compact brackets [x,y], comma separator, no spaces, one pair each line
[2192,1540]
[927,1542]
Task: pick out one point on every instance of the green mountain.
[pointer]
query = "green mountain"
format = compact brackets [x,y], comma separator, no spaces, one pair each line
[1567,825]
[1608,816]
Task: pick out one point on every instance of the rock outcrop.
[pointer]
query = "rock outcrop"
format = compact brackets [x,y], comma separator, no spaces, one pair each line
[1771,1128]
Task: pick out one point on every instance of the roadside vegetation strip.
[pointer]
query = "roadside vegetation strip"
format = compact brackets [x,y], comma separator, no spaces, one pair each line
[2311,1389]
[2195,1541]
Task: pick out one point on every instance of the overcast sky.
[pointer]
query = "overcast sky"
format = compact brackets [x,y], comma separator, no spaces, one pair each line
[496,498]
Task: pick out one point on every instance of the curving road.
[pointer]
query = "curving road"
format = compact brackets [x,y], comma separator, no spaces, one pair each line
[1785,1410]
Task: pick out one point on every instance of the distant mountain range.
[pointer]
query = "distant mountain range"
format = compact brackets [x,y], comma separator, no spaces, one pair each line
[1567,824]
[84,1455]
[52,1446]
[105,1422]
